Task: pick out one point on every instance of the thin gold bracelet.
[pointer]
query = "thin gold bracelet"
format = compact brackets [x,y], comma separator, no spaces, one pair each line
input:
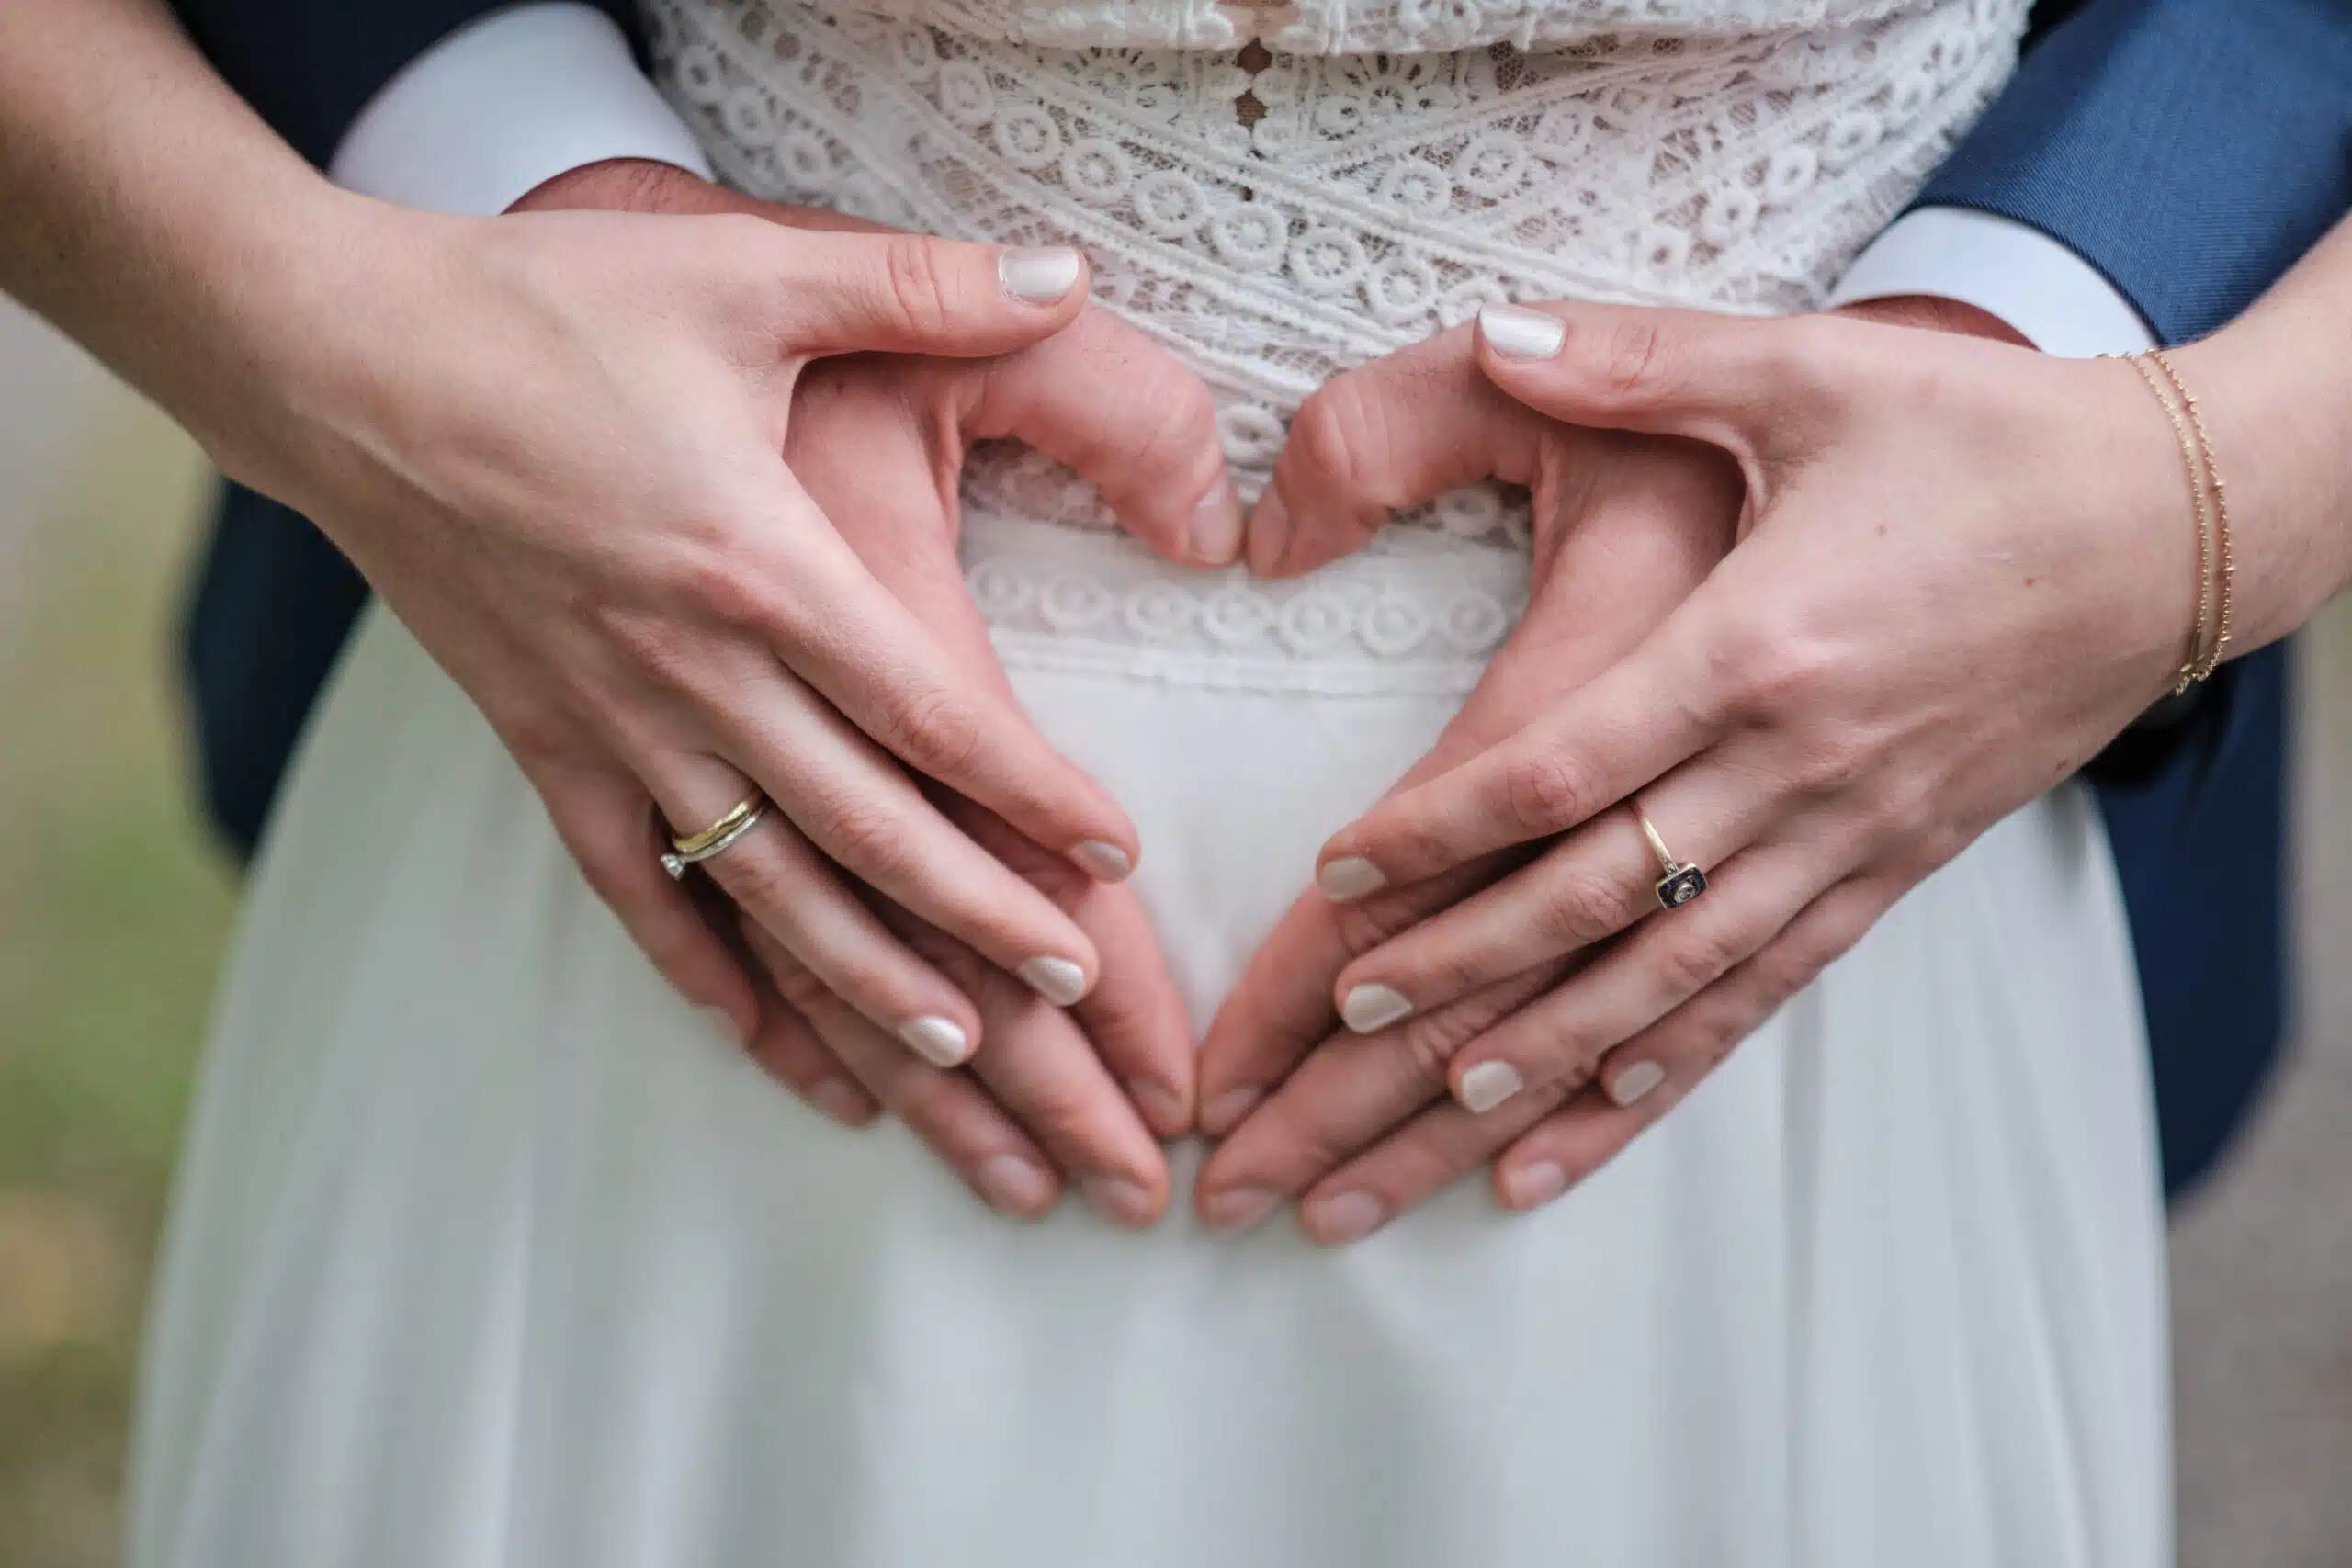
[2228,579]
[2191,661]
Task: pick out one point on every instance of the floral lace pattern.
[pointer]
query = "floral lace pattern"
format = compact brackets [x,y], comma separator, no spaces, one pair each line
[1362,174]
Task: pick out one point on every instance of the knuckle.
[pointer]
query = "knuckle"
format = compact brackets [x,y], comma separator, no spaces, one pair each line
[1549,791]
[934,731]
[918,291]
[1335,433]
[1696,960]
[1776,667]
[1580,907]
[1633,362]
[868,836]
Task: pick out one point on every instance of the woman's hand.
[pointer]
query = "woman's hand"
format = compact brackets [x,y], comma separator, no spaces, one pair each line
[1965,569]
[1625,527]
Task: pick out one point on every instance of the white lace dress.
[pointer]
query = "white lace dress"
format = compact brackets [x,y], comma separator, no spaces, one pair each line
[487,1254]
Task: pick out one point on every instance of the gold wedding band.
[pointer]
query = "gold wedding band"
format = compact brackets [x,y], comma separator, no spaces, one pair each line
[692,849]
[1679,882]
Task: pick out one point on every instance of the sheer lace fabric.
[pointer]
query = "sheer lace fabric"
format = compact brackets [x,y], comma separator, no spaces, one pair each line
[1281,194]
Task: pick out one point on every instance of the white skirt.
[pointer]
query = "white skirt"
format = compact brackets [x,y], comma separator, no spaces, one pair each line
[488,1253]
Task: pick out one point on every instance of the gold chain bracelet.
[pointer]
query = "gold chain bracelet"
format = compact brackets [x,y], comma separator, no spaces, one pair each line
[2210,633]
[2227,580]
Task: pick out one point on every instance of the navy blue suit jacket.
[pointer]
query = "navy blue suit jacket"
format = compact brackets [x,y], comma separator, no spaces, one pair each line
[2190,148]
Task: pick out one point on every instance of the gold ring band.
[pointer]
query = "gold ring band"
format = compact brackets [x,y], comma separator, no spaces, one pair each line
[694,848]
[1679,883]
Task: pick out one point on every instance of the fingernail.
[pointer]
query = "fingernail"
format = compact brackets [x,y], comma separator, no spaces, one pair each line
[726,1024]
[1217,522]
[1487,1085]
[840,1101]
[1240,1208]
[1350,1216]
[1635,1081]
[1013,1184]
[1122,1199]
[1269,530]
[1162,1108]
[1370,1008]
[1103,860]
[1058,980]
[1038,273]
[1226,1112]
[1532,1185]
[1521,334]
[936,1040]
[1348,878]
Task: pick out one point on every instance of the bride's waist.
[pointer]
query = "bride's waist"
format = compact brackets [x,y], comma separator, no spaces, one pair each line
[1416,609]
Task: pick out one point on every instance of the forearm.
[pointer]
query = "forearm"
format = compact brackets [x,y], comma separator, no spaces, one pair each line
[2276,388]
[182,242]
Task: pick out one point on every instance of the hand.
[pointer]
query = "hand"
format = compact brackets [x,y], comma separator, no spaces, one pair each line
[555,452]
[1944,602]
[878,441]
[1625,527]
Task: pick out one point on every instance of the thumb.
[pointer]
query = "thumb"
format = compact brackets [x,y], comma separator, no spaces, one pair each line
[1730,381]
[890,293]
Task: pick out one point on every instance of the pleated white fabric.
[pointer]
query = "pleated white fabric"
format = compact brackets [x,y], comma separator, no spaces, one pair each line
[486,1252]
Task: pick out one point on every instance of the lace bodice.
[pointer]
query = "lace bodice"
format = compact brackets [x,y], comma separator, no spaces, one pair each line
[1282,193]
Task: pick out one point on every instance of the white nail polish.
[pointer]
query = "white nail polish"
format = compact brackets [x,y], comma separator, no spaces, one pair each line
[1348,878]
[1375,1007]
[1635,1081]
[1487,1085]
[1037,274]
[1103,860]
[1226,1112]
[1013,1184]
[1216,527]
[1058,980]
[1350,1216]
[936,1040]
[1520,335]
[1532,1185]
[1240,1209]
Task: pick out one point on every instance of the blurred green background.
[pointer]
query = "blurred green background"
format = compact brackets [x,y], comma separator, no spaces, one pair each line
[114,910]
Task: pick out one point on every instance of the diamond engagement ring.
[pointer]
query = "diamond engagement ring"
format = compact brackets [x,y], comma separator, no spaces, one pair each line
[1680,882]
[692,849]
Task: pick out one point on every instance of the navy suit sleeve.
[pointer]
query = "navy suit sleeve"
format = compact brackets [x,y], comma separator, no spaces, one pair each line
[309,68]
[2191,150]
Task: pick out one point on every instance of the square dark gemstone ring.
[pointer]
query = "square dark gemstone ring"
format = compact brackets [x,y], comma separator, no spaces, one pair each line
[1679,885]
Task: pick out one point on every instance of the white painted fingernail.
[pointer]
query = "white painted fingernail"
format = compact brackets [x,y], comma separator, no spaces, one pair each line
[1013,1184]
[1037,274]
[1350,1216]
[938,1041]
[1058,980]
[1240,1208]
[1533,1185]
[1216,524]
[723,1023]
[1226,1112]
[1487,1085]
[1348,878]
[1103,860]
[1368,1008]
[1521,334]
[1635,1081]
[1124,1201]
[840,1101]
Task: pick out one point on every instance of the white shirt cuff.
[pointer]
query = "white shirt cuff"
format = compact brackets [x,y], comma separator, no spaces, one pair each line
[2062,304]
[505,104]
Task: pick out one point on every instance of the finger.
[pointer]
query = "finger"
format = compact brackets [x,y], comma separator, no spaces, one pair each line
[1661,964]
[1270,1020]
[893,293]
[1346,1096]
[604,820]
[1045,1074]
[948,1111]
[793,1054]
[1651,1073]
[1402,430]
[1593,748]
[779,880]
[1127,415]
[1134,1016]
[1735,382]
[1589,885]
[1416,1163]
[871,658]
